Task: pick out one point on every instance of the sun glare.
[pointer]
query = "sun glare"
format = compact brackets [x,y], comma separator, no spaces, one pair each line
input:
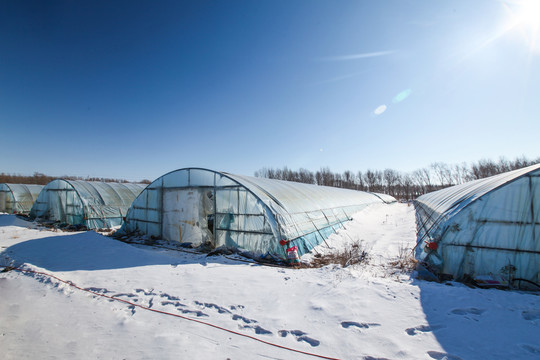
[525,17]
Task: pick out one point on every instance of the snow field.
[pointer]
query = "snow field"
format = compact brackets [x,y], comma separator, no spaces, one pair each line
[369,310]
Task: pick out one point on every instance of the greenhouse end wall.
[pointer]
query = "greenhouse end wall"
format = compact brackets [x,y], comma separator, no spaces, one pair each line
[197,205]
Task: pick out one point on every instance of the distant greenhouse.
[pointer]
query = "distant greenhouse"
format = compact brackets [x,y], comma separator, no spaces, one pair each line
[18,198]
[256,214]
[91,203]
[483,228]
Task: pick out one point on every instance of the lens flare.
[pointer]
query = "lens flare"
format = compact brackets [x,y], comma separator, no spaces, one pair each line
[401,96]
[380,110]
[525,16]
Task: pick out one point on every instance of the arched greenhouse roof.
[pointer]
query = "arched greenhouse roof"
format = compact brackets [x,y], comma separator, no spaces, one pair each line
[107,193]
[94,204]
[18,198]
[295,197]
[243,211]
[449,201]
[487,227]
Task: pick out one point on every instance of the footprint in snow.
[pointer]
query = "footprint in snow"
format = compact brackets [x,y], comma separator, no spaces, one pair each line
[300,336]
[169,297]
[173,303]
[192,312]
[125,294]
[531,349]
[244,319]
[130,296]
[442,356]
[348,324]
[98,290]
[179,307]
[468,311]
[258,330]
[531,315]
[219,309]
[423,328]
[146,292]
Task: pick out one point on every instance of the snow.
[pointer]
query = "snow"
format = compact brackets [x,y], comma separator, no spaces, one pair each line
[371,310]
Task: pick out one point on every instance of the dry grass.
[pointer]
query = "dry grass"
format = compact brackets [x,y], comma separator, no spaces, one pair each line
[405,260]
[353,253]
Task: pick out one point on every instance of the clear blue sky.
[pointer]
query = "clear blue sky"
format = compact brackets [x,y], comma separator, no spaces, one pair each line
[134,89]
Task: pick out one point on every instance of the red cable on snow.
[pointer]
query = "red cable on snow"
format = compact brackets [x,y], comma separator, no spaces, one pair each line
[167,313]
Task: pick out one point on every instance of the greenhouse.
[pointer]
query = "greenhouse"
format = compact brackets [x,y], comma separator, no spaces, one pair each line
[260,215]
[93,204]
[18,198]
[484,229]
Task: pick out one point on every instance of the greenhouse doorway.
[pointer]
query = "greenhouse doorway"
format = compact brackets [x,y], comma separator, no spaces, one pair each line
[4,202]
[186,215]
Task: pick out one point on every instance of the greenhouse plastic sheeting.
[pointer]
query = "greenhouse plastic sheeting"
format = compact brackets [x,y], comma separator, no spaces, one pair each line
[487,226]
[91,203]
[18,198]
[198,205]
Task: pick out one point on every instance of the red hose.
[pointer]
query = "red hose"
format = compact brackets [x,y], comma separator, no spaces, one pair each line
[8,268]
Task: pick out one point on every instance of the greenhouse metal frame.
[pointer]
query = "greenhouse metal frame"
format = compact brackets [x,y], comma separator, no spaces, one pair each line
[265,216]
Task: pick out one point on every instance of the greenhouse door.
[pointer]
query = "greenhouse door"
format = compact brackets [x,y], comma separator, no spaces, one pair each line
[3,201]
[185,214]
[57,205]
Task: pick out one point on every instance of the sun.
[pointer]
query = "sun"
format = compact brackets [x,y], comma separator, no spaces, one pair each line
[524,16]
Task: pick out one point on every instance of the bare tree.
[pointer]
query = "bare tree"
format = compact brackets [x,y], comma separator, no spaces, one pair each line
[360,181]
[348,180]
[370,178]
[325,177]
[443,173]
[407,186]
[422,177]
[391,179]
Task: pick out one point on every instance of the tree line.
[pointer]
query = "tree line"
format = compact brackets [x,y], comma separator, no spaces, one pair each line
[401,185]
[42,179]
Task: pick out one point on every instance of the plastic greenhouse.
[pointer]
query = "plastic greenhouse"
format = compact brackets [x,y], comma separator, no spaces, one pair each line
[487,228]
[260,215]
[18,198]
[91,203]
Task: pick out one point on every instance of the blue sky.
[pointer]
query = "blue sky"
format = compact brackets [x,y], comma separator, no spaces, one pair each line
[133,89]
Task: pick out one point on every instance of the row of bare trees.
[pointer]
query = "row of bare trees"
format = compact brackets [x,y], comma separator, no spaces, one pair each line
[42,179]
[401,185]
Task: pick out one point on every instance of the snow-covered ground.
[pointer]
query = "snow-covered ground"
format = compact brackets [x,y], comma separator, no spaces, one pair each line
[364,311]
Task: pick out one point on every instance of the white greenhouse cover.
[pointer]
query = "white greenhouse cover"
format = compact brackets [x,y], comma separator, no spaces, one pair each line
[18,198]
[94,204]
[487,226]
[198,205]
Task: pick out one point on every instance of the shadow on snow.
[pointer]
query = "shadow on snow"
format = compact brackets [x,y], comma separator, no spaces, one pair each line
[478,323]
[92,251]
